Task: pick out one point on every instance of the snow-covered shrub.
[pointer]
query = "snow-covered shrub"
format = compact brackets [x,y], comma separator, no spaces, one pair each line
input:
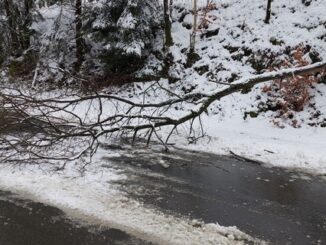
[206,17]
[291,95]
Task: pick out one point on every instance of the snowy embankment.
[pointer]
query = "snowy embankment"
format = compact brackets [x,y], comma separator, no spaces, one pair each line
[242,34]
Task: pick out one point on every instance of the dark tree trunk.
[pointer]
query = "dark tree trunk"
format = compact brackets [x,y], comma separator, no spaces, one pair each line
[79,36]
[14,42]
[167,22]
[268,11]
[25,35]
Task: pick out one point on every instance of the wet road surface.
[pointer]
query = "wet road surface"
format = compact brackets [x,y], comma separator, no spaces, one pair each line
[279,206]
[24,222]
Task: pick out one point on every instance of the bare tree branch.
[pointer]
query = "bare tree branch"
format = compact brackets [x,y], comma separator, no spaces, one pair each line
[57,128]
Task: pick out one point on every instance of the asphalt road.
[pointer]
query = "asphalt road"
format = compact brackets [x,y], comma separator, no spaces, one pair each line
[279,206]
[24,222]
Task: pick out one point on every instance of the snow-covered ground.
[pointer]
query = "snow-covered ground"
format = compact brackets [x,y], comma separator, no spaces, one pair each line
[242,29]
[300,149]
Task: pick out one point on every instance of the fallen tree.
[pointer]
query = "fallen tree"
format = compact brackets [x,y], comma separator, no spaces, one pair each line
[70,127]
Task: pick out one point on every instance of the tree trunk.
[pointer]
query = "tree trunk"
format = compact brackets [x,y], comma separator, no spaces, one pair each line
[79,37]
[268,11]
[25,35]
[168,25]
[194,28]
[14,40]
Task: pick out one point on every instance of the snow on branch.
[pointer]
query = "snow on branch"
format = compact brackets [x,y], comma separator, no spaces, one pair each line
[67,128]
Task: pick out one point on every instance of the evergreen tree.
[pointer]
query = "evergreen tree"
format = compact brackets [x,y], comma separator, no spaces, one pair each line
[125,30]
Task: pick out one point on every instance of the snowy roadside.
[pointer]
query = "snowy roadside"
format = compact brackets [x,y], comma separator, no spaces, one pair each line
[92,198]
[297,149]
